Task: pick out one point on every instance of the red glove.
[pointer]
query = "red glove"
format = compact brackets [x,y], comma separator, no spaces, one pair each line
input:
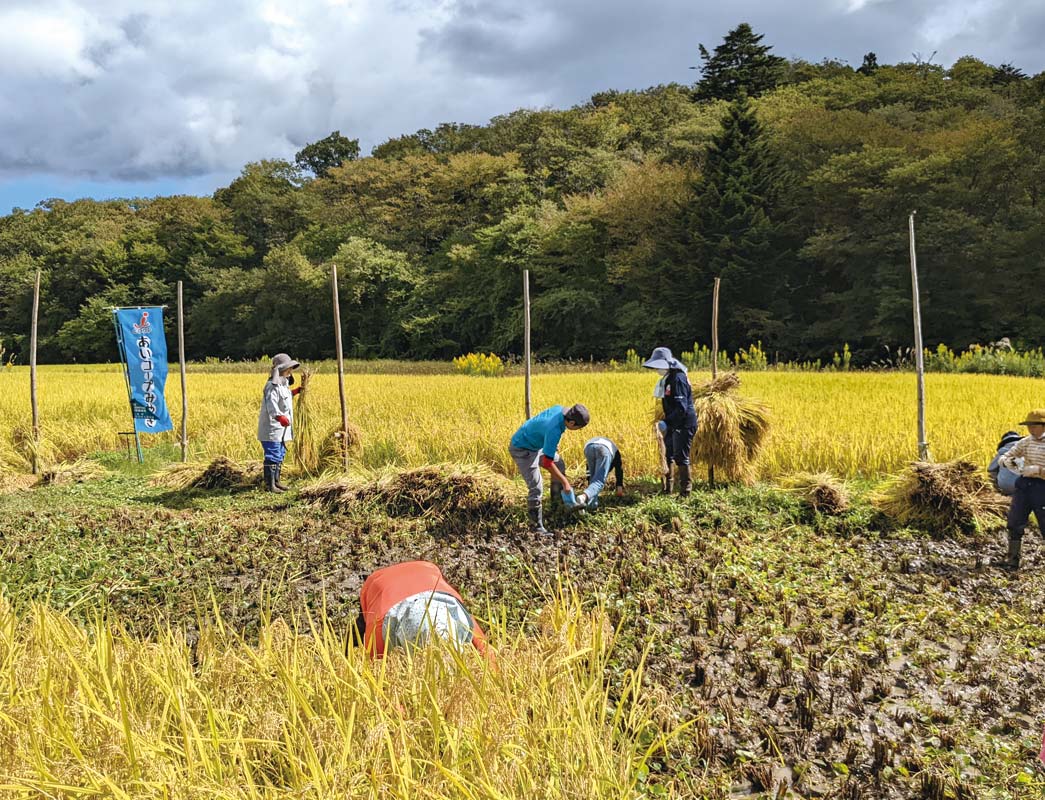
[283,420]
[296,391]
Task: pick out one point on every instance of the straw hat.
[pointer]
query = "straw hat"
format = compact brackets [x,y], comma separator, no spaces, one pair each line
[1035,417]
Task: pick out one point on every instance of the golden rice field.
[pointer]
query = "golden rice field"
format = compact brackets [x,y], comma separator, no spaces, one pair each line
[851,424]
[98,712]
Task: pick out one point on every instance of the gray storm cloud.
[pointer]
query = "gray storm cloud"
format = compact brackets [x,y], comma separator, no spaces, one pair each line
[107,90]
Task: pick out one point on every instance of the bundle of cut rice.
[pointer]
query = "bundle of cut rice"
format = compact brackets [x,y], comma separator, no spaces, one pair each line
[821,491]
[941,498]
[446,492]
[29,450]
[221,473]
[731,430]
[69,472]
[331,449]
[306,448]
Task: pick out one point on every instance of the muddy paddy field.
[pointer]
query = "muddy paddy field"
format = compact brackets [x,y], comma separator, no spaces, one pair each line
[805,654]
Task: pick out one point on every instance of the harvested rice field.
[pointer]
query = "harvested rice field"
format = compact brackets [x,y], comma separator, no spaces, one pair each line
[171,631]
[744,642]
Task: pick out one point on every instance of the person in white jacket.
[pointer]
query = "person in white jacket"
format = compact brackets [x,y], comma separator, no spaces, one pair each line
[276,419]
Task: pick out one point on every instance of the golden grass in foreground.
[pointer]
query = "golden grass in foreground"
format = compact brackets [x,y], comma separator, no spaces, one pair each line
[102,713]
[844,423]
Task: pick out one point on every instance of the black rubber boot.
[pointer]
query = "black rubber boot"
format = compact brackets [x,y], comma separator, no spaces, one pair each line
[1011,562]
[537,521]
[270,479]
[685,483]
[665,482]
[556,493]
[279,476]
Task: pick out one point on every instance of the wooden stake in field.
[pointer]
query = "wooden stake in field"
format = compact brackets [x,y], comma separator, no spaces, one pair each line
[181,361]
[340,366]
[32,375]
[714,332]
[526,335]
[714,359]
[919,359]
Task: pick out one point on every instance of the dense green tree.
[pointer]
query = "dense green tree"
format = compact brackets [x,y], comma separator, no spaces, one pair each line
[869,66]
[623,208]
[322,156]
[265,205]
[971,71]
[736,234]
[740,64]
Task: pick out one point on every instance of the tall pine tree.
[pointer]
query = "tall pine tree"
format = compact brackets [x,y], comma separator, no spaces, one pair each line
[740,64]
[737,232]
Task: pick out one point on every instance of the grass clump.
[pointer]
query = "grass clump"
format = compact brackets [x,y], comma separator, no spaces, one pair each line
[941,498]
[731,431]
[821,491]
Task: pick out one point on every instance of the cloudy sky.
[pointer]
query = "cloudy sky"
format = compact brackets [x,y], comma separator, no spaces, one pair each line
[105,98]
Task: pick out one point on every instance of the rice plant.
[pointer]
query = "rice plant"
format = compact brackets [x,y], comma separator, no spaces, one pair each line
[302,712]
[846,423]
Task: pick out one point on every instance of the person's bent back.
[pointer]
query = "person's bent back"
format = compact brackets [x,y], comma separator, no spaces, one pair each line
[406,604]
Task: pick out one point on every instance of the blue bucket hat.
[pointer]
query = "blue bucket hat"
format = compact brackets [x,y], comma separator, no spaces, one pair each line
[663,359]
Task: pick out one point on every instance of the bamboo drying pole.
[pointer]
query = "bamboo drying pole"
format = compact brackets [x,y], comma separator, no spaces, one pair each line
[340,366]
[526,335]
[32,375]
[181,360]
[919,359]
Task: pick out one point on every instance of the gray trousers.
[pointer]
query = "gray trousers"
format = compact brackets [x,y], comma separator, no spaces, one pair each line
[528,463]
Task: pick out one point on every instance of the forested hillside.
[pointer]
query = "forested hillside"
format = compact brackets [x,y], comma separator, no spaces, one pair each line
[790,180]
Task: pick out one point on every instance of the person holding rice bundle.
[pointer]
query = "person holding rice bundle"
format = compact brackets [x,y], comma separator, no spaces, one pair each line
[276,419]
[1027,459]
[680,416]
[601,455]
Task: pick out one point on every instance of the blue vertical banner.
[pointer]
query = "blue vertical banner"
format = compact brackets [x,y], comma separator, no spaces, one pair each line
[143,347]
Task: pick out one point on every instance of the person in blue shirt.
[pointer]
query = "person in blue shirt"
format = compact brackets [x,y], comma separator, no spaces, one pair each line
[680,417]
[601,455]
[534,447]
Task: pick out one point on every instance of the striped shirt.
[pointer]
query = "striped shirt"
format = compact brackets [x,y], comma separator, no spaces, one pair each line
[1031,450]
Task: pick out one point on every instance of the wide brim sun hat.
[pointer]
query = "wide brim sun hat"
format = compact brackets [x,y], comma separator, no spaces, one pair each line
[663,359]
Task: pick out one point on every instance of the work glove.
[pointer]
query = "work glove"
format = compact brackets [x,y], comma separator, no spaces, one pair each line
[283,420]
[569,499]
[1033,471]
[296,391]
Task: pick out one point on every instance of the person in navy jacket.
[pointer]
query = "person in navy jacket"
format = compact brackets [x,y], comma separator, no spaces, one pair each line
[680,417]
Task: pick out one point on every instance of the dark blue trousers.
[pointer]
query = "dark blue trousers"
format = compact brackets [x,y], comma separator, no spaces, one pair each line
[1029,498]
[677,442]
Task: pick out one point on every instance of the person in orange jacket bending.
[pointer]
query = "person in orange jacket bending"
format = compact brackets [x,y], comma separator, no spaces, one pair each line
[404,604]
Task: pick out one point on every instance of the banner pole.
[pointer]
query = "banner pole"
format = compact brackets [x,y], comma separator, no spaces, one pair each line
[127,382]
[184,396]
